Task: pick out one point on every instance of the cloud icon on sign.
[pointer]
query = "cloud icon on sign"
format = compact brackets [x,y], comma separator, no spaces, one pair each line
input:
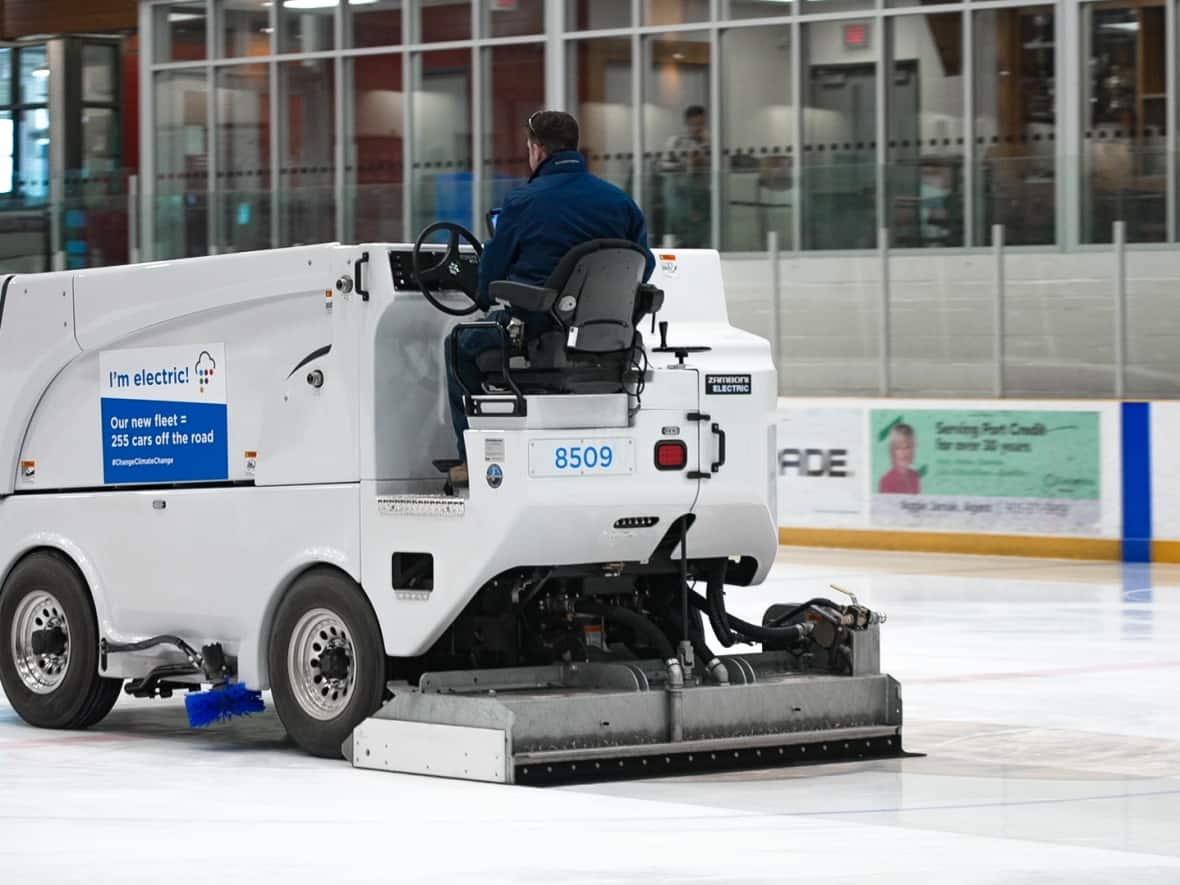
[206,366]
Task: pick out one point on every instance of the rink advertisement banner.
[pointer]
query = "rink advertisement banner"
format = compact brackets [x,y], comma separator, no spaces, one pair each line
[164,414]
[986,470]
[820,462]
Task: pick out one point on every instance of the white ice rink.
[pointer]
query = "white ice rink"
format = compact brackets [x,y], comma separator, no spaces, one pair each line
[1046,695]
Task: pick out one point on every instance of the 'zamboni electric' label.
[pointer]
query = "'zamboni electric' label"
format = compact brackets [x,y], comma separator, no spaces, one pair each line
[164,414]
[719,385]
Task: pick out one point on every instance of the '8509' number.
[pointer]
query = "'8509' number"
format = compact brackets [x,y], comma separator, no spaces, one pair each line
[583,457]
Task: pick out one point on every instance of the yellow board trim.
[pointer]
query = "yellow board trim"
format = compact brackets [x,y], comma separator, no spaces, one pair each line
[956,542]
[1165,551]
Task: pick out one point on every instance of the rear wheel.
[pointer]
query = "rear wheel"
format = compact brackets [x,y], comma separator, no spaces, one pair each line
[49,651]
[326,660]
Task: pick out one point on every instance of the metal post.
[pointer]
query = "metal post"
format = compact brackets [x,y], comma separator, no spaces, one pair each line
[883,241]
[147,127]
[341,88]
[556,93]
[56,52]
[776,330]
[1170,101]
[969,170]
[1120,308]
[133,219]
[998,309]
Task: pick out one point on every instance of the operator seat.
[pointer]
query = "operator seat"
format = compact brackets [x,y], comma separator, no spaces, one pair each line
[595,298]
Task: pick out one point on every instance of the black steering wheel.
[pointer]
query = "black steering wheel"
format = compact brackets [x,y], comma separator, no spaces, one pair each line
[451,271]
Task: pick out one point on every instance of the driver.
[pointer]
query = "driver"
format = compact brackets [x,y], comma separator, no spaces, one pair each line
[561,206]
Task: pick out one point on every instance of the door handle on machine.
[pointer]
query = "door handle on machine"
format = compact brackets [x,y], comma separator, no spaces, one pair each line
[720,462]
[716,466]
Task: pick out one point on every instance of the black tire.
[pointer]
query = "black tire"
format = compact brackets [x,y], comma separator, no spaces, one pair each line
[293,694]
[82,698]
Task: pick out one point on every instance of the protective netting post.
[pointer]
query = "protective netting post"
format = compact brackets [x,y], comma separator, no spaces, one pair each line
[883,243]
[998,309]
[776,328]
[1120,308]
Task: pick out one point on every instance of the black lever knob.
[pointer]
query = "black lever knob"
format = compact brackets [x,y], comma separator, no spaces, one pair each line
[663,334]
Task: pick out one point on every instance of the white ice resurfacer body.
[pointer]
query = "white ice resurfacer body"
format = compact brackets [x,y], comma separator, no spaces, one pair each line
[221,470]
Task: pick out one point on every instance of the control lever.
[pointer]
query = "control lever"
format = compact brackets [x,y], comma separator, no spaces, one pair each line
[858,616]
[681,353]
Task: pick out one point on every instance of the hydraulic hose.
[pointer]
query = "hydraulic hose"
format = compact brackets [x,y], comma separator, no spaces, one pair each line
[640,625]
[189,652]
[819,605]
[730,629]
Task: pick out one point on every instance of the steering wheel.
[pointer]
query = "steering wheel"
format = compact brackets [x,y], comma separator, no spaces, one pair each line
[451,271]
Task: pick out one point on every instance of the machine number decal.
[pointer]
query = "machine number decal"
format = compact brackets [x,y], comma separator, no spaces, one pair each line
[728,385]
[581,457]
[577,457]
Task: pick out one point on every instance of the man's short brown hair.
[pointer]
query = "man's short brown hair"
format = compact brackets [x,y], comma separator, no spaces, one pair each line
[554,131]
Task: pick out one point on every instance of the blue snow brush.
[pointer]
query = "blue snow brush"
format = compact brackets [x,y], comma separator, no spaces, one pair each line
[222,703]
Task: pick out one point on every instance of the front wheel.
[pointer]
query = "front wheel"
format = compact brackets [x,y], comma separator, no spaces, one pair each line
[49,650]
[326,660]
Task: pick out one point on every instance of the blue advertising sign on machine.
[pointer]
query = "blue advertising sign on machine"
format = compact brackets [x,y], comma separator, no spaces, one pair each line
[164,414]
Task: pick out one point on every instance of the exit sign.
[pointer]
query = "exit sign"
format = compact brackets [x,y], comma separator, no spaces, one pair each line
[856,36]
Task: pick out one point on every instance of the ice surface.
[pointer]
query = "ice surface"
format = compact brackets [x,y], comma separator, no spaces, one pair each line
[1044,693]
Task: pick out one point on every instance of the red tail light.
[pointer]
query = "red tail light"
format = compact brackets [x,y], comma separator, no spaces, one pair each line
[671,454]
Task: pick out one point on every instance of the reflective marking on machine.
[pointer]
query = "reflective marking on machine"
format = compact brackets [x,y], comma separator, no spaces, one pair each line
[421,505]
[164,414]
[581,457]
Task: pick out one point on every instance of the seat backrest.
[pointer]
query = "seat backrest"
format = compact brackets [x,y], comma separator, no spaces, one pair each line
[598,284]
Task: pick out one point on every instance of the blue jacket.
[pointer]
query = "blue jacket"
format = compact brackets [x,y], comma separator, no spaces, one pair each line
[560,207]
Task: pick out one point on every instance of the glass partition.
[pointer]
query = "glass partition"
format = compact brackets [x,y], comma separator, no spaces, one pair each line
[678,158]
[181,181]
[374,194]
[374,24]
[515,78]
[442,142]
[758,126]
[243,186]
[1124,103]
[307,152]
[600,97]
[924,147]
[1015,146]
[595,15]
[839,140]
[180,32]
[245,28]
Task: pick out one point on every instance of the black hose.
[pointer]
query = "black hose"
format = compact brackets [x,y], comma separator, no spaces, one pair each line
[715,606]
[638,624]
[731,629]
[819,605]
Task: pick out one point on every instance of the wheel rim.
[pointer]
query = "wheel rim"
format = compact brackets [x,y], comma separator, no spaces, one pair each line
[41,673]
[321,664]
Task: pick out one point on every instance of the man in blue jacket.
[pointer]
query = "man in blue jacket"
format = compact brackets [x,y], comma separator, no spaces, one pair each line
[561,206]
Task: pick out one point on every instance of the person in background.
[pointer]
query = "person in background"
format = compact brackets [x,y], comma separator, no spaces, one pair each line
[901,479]
[684,166]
